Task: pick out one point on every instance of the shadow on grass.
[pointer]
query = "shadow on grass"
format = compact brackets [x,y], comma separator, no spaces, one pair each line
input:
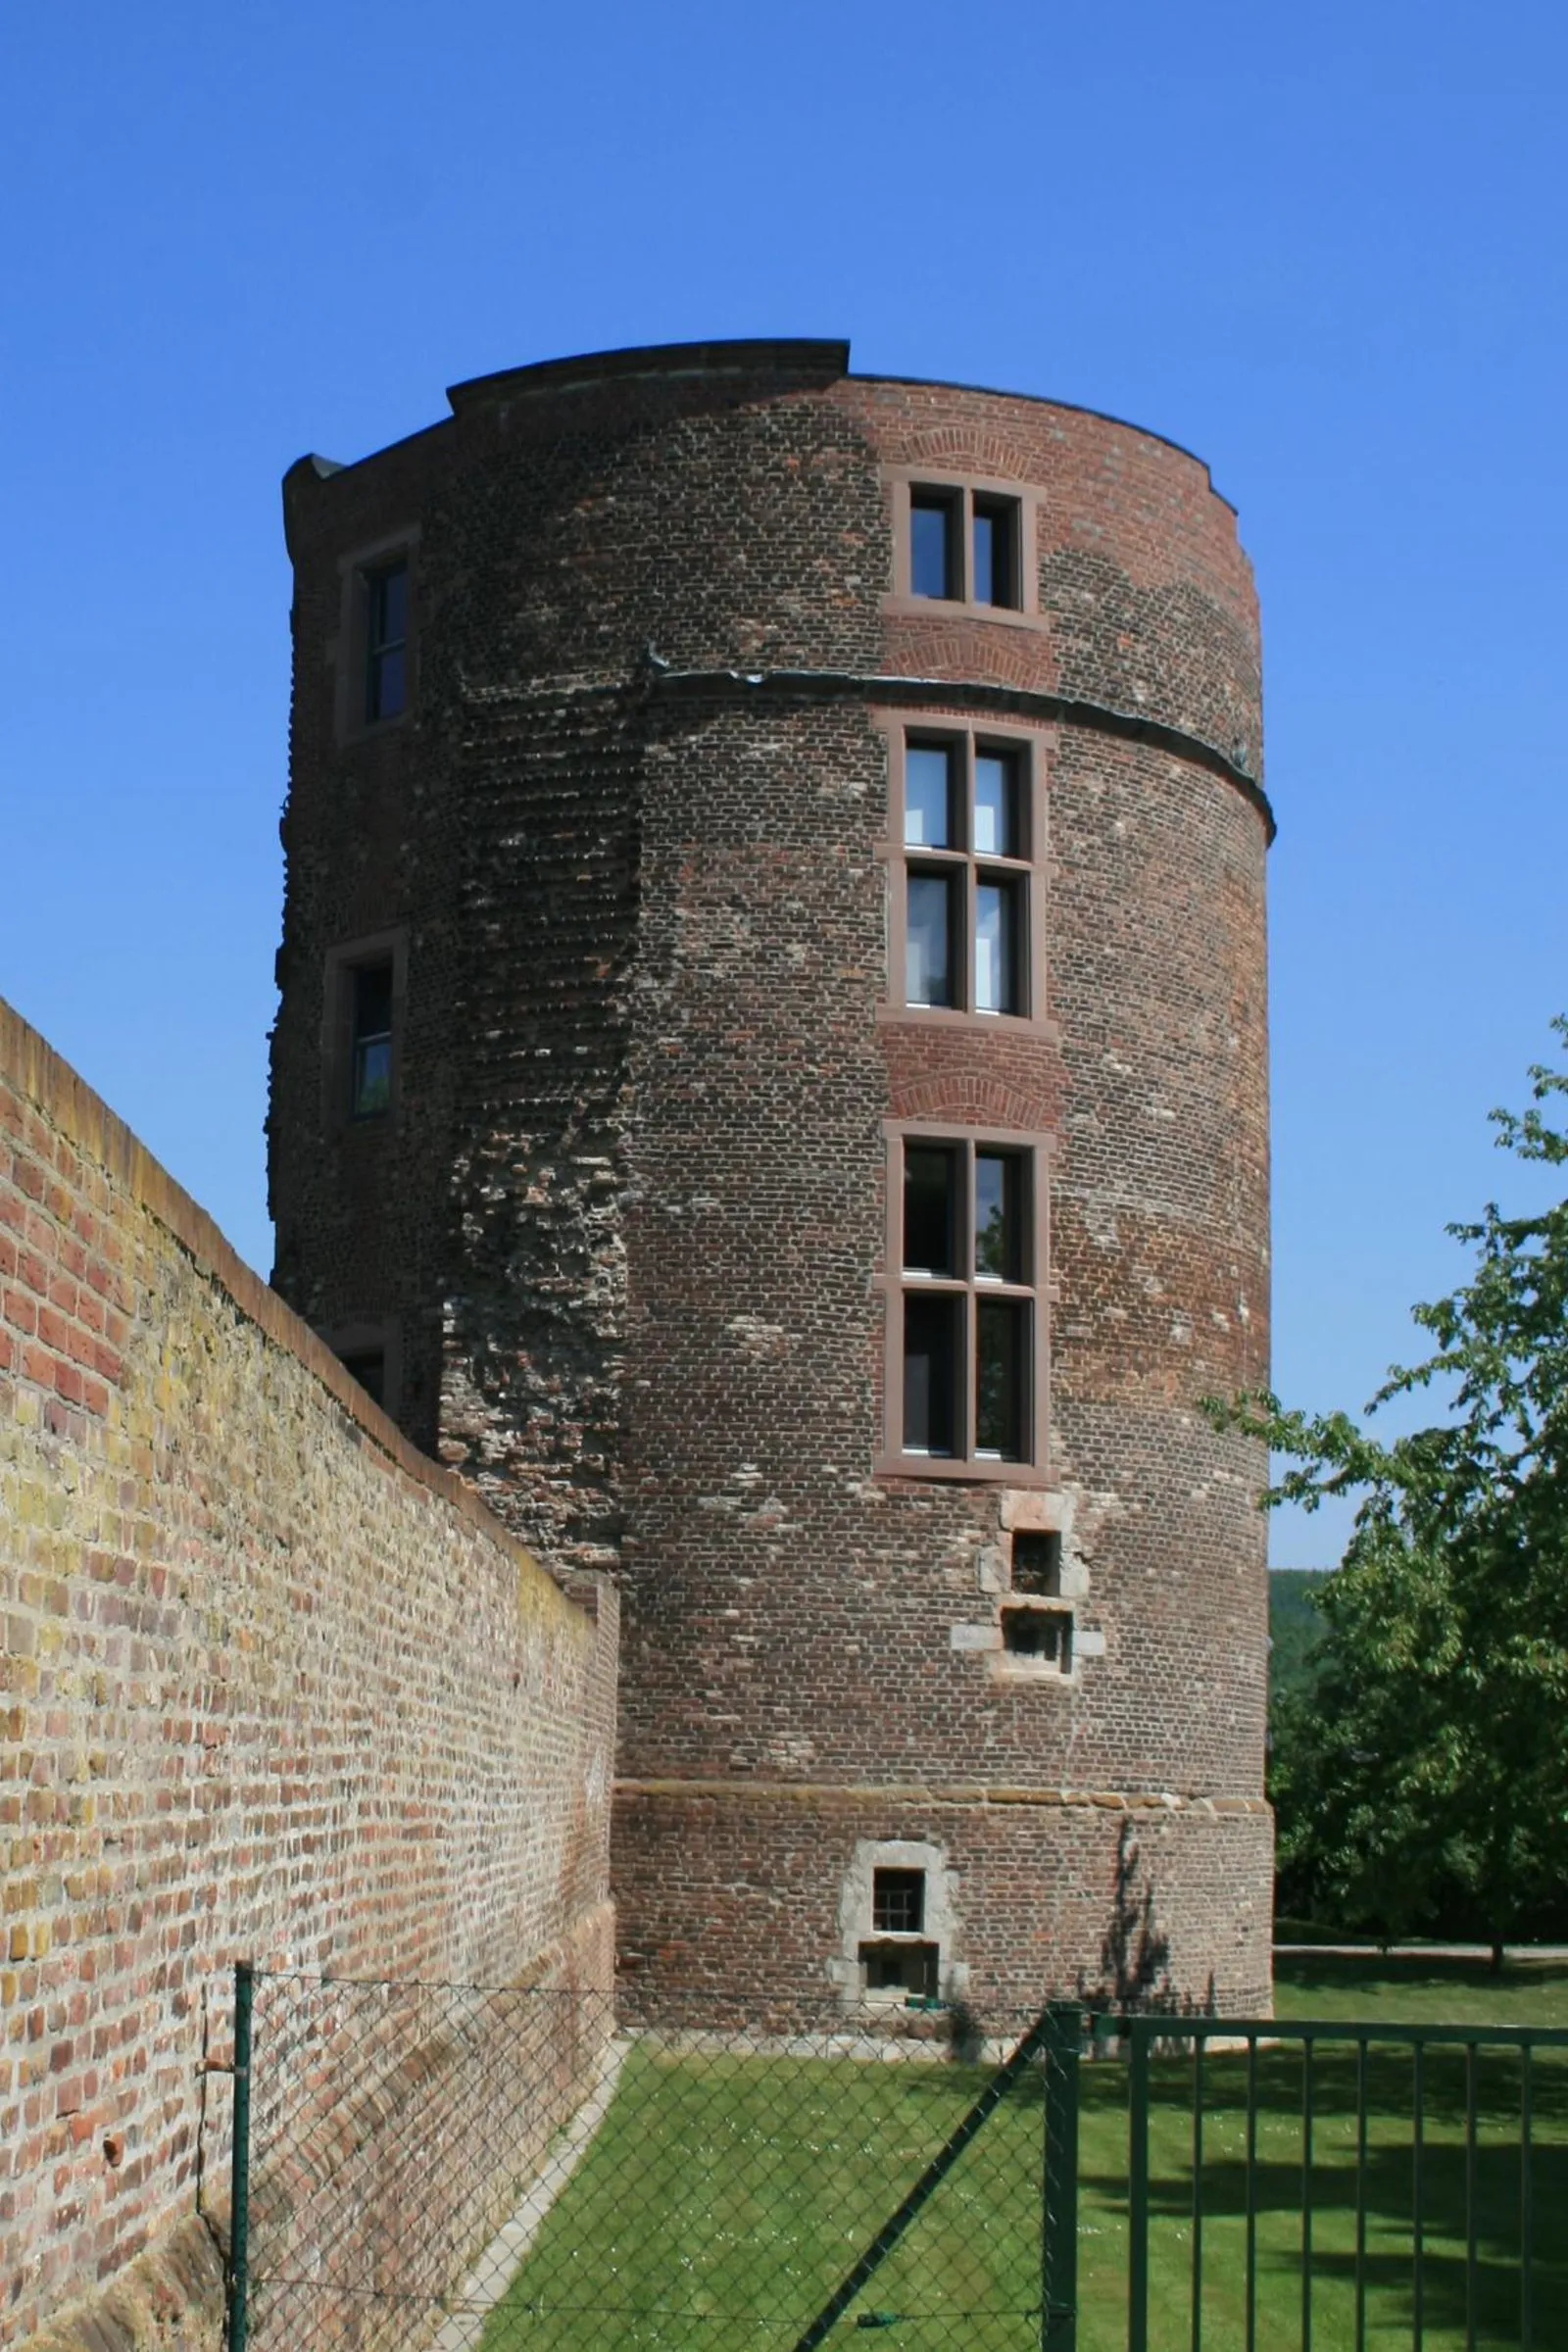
[1466,2202]
[726,2193]
[1422,1990]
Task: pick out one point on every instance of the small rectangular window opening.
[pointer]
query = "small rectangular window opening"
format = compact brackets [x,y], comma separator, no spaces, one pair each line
[998,1217]
[897,1958]
[371,1081]
[1037,1562]
[898,1901]
[367,1365]
[386,641]
[913,1969]
[1043,1634]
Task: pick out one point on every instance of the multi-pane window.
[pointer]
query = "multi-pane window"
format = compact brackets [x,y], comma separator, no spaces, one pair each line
[386,640]
[965,546]
[967,1295]
[967,875]
[370,1039]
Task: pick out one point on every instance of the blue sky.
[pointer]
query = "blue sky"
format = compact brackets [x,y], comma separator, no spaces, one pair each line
[1324,246]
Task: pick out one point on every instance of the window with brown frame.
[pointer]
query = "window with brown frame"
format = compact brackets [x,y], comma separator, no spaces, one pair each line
[967,875]
[965,545]
[969,1300]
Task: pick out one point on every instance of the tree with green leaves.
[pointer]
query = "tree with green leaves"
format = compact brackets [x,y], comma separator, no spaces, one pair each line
[1421,1783]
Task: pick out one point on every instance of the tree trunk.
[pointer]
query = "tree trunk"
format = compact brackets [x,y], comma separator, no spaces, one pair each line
[1497,1955]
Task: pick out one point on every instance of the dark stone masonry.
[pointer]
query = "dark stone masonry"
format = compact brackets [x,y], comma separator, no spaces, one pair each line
[772,1088]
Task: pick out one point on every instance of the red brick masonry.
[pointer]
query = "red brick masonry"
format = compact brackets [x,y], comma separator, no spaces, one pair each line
[272,1683]
[628,1213]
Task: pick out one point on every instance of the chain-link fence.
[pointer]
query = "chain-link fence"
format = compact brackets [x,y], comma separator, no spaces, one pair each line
[471,2170]
[445,2168]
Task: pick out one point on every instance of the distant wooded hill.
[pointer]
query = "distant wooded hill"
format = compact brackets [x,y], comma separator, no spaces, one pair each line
[1294,1628]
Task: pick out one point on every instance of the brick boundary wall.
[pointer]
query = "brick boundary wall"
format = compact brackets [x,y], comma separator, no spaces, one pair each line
[273,1683]
[448,2100]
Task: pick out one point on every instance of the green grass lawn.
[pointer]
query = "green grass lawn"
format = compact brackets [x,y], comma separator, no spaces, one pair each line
[723,2198]
[1422,1991]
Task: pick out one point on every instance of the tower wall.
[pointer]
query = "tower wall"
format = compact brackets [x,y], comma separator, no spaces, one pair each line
[639,826]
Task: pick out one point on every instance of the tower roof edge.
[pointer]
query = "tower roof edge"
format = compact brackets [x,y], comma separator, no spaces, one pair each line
[818,360]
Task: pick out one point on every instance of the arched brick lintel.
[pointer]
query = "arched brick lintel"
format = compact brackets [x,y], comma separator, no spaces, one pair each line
[969,1100]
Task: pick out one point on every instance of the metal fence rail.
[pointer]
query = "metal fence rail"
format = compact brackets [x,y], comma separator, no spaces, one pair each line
[477,2170]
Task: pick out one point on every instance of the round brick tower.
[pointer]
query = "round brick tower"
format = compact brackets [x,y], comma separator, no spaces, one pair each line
[771,1083]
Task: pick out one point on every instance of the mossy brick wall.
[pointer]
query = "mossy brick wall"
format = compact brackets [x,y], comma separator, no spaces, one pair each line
[272,1684]
[636,823]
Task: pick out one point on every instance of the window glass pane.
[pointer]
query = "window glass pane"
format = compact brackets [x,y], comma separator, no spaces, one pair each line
[1001,1330]
[999,1216]
[997,830]
[930,1374]
[985,554]
[390,607]
[928,796]
[995,948]
[928,940]
[373,1000]
[995,548]
[386,631]
[930,1199]
[931,546]
[387,673]
[373,1076]
[371,1082]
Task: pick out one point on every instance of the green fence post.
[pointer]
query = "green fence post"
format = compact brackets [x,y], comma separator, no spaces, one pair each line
[1058,2317]
[1138,2189]
[239,2194]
